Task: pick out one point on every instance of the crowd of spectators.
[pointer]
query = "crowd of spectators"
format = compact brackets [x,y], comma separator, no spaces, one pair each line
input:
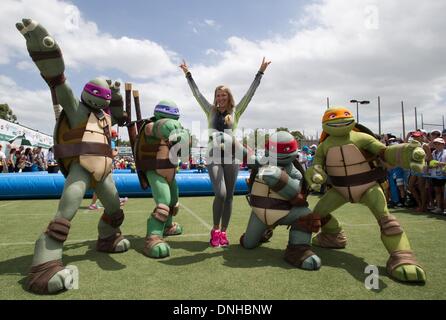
[22,159]
[424,191]
[403,188]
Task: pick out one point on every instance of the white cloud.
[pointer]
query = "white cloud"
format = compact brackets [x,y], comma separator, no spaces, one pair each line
[338,49]
[198,26]
[32,108]
[210,22]
[83,44]
[343,52]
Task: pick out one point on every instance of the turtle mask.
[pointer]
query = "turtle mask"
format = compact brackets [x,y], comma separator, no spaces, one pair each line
[96,94]
[337,122]
[166,109]
[282,146]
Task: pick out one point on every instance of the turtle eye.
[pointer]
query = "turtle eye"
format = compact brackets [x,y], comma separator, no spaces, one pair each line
[332,116]
[95,92]
[108,96]
[287,148]
[347,113]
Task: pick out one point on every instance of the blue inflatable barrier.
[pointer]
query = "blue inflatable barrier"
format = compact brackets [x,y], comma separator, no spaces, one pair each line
[41,185]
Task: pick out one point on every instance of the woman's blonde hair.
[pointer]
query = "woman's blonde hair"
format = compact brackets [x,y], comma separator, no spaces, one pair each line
[231,98]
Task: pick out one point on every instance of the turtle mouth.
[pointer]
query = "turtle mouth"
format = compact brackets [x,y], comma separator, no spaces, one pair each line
[94,104]
[284,159]
[340,124]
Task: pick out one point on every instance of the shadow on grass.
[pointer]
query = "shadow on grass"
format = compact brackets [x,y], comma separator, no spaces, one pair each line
[234,256]
[412,212]
[105,261]
[237,257]
[354,265]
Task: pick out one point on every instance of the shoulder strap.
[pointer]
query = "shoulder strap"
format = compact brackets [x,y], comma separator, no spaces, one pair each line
[252,177]
[298,166]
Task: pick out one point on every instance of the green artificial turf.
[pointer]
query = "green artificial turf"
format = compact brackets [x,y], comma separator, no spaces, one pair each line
[196,271]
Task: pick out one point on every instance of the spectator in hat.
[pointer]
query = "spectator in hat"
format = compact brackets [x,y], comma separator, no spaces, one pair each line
[3,164]
[437,172]
[417,184]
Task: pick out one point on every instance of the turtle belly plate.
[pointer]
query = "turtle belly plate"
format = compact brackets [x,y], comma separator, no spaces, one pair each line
[344,161]
[267,215]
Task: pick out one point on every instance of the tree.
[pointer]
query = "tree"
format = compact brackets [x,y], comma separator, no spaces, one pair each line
[6,113]
[297,135]
[122,143]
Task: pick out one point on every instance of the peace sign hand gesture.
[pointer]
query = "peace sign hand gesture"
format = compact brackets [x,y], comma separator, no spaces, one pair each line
[264,65]
[184,67]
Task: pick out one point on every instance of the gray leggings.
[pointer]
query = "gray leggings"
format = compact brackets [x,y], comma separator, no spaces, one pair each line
[223,179]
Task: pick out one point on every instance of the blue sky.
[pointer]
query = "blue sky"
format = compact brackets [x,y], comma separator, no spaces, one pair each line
[172,23]
[324,48]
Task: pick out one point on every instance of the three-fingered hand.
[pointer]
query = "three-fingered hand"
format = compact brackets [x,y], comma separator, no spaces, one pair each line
[115,88]
[42,48]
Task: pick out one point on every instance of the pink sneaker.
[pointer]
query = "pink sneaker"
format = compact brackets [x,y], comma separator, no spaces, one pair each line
[92,207]
[215,238]
[223,239]
[122,201]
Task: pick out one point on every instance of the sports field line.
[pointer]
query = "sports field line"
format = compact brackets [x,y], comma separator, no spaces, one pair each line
[6,204]
[204,223]
[85,240]
[92,212]
[375,224]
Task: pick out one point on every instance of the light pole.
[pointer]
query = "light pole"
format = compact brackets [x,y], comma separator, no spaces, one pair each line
[358,102]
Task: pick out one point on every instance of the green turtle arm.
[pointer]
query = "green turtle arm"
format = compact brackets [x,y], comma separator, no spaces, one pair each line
[367,142]
[48,58]
[316,175]
[406,155]
[169,129]
[117,113]
[281,181]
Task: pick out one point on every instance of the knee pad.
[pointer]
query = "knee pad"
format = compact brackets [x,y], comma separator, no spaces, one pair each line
[390,226]
[115,219]
[309,223]
[174,209]
[241,240]
[325,220]
[58,229]
[161,212]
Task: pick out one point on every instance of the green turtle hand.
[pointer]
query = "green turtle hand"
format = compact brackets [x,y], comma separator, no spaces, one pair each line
[270,174]
[179,136]
[315,176]
[115,88]
[42,48]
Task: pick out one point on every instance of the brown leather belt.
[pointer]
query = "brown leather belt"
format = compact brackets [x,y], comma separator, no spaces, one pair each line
[62,151]
[153,164]
[358,179]
[269,203]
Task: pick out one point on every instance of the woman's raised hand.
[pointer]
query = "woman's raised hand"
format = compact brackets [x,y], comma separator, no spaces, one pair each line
[184,67]
[264,65]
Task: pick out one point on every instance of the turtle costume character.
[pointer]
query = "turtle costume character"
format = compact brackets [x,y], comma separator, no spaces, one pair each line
[156,149]
[278,197]
[349,159]
[82,149]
